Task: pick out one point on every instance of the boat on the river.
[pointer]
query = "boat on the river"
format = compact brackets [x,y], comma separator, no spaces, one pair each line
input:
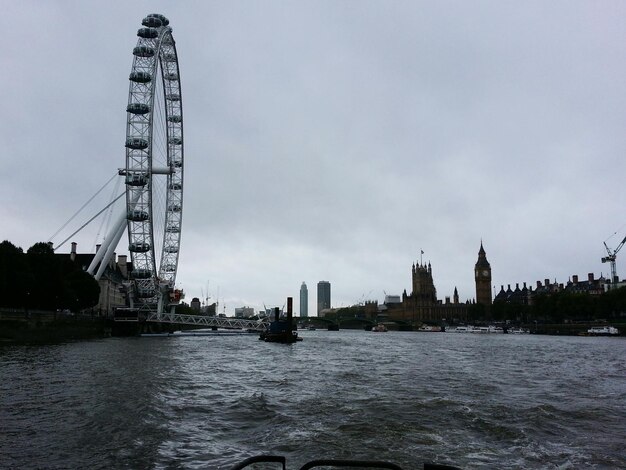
[459,329]
[279,336]
[281,331]
[430,328]
[476,329]
[380,328]
[603,331]
[518,331]
[488,329]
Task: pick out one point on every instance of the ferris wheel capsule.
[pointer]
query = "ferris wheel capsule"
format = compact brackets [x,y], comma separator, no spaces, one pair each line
[140,274]
[152,21]
[164,20]
[136,143]
[148,33]
[140,76]
[143,51]
[138,108]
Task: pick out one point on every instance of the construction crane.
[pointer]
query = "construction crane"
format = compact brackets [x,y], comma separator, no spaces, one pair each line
[611,259]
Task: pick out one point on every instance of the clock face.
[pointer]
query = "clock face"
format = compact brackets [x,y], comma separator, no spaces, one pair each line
[482,273]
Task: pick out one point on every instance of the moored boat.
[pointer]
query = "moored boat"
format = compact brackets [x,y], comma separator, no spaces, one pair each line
[459,329]
[487,329]
[380,328]
[518,331]
[281,331]
[430,328]
[603,331]
[476,329]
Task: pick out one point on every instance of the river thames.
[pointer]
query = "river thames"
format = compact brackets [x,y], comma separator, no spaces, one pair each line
[474,401]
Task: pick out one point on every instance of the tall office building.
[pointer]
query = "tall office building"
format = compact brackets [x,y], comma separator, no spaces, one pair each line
[304,300]
[323,296]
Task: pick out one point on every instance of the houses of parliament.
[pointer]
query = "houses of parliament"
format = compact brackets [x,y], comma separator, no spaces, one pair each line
[422,305]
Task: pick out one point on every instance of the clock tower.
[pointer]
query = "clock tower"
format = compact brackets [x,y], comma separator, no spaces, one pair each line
[482,275]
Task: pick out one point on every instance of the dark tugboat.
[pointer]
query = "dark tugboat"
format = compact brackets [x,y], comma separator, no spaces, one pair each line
[281,331]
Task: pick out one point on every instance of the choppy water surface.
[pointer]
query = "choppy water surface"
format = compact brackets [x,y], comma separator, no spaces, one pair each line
[490,401]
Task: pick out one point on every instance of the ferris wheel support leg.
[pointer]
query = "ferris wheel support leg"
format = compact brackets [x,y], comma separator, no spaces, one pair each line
[106,243]
[113,235]
[111,248]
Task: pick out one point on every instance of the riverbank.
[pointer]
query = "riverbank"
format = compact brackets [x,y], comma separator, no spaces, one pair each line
[19,326]
[30,327]
[570,329]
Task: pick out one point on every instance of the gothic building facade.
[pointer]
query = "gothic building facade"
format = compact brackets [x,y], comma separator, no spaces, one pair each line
[422,304]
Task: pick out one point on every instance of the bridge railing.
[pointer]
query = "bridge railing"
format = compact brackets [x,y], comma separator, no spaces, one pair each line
[208,322]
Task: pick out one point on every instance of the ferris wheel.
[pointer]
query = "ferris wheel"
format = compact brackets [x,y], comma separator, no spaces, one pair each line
[154,164]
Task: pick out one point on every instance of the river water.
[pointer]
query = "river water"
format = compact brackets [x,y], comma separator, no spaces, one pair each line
[475,401]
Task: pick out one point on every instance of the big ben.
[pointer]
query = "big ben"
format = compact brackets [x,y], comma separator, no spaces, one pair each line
[482,275]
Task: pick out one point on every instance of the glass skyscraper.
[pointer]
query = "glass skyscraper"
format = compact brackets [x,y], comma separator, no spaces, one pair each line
[323,296]
[304,300]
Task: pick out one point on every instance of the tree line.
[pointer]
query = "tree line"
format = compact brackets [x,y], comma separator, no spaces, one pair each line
[38,279]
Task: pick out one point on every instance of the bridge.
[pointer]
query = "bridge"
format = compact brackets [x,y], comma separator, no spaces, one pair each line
[132,316]
[209,322]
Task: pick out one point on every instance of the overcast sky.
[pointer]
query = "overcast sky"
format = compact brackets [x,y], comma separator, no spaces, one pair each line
[335,140]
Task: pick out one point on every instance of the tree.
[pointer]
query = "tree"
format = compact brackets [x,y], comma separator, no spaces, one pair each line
[46,285]
[39,279]
[14,275]
[612,304]
[83,288]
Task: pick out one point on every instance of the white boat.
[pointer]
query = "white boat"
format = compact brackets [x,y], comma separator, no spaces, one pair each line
[486,329]
[460,329]
[518,331]
[603,331]
[429,328]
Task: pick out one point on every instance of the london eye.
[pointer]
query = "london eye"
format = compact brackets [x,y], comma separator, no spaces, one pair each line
[153,172]
[154,164]
[154,168]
